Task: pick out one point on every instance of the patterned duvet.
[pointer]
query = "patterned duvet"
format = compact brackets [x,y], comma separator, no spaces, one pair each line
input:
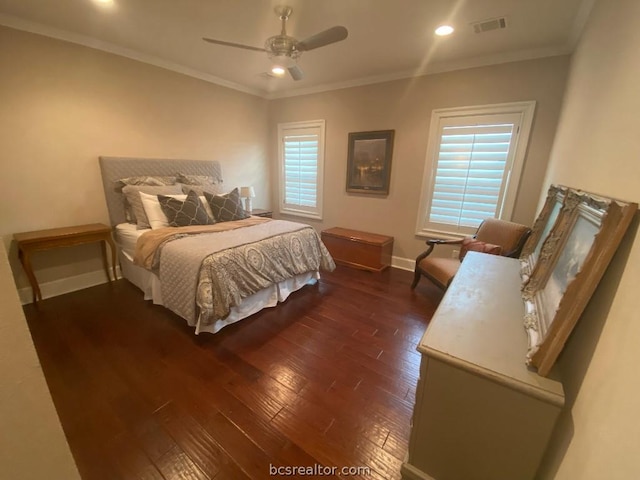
[206,270]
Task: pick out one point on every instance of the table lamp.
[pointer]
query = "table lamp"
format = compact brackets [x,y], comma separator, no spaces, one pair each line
[247,193]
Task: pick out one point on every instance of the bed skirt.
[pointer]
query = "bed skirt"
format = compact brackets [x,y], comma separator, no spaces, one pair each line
[149,283]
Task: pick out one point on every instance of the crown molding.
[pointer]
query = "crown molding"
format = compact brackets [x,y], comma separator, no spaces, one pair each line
[430,69]
[433,69]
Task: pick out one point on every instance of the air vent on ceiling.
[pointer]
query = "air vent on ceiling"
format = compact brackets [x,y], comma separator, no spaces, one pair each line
[490,24]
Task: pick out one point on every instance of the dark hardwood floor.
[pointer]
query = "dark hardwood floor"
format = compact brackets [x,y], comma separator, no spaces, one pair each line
[328,377]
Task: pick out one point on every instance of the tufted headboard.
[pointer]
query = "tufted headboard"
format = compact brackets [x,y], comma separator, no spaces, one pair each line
[115,168]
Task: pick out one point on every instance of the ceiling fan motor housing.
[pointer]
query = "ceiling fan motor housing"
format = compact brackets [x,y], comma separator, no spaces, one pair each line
[282,46]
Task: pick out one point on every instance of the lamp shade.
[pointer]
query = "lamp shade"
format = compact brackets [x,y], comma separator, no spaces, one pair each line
[247,192]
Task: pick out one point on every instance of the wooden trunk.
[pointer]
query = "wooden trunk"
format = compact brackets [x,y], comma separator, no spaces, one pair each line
[353,248]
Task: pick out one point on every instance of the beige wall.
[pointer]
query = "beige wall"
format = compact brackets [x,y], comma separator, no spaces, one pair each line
[405,106]
[597,148]
[32,444]
[63,105]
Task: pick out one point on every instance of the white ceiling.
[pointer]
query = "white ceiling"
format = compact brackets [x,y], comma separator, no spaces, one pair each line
[388,39]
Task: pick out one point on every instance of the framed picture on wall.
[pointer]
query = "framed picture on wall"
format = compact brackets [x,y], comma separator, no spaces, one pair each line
[369,162]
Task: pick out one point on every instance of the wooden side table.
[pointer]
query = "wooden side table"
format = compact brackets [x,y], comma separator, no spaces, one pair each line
[29,242]
[259,212]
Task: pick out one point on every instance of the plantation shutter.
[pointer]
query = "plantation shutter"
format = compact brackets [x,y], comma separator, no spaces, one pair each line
[473,164]
[301,170]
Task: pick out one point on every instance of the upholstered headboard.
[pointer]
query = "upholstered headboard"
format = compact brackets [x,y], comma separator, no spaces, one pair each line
[115,168]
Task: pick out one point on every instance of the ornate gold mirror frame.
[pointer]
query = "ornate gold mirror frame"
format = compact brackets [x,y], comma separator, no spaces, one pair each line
[572,243]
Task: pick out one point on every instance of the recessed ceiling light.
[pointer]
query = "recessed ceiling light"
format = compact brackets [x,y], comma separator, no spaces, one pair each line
[105,3]
[444,30]
[277,70]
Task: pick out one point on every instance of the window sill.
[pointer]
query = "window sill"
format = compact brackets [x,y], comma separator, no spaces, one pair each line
[441,234]
[298,213]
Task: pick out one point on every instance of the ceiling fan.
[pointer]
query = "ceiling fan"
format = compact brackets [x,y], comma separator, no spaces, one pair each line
[284,50]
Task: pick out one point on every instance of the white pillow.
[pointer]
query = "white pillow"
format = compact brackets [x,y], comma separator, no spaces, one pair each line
[157,218]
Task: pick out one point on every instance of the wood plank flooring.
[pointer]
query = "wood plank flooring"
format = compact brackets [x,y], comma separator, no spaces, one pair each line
[327,378]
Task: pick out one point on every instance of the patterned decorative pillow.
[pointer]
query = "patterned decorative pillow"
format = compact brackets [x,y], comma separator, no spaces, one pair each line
[132,198]
[470,244]
[217,189]
[195,179]
[183,214]
[226,207]
[155,214]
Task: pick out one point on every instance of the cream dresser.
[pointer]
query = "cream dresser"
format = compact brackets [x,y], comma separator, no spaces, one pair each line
[480,412]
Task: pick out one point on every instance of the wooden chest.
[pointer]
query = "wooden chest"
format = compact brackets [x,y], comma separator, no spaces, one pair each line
[353,248]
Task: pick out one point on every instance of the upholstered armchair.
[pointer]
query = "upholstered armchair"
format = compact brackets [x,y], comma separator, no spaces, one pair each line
[494,236]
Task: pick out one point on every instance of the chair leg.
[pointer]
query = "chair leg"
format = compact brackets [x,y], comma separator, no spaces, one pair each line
[417,273]
[416,278]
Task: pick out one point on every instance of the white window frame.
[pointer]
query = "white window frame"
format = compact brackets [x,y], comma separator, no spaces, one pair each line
[285,129]
[513,170]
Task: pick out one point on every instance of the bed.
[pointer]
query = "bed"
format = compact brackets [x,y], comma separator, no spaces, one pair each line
[210,275]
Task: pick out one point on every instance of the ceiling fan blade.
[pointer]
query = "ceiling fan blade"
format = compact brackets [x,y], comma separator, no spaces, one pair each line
[296,72]
[326,37]
[231,44]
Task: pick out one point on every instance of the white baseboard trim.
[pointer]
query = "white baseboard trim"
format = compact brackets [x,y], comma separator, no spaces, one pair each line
[66,285]
[409,472]
[408,264]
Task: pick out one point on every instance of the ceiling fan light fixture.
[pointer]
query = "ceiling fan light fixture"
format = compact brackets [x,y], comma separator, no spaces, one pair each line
[284,61]
[284,51]
[278,71]
[444,30]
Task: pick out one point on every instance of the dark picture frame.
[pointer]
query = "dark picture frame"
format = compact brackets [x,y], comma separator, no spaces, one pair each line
[369,162]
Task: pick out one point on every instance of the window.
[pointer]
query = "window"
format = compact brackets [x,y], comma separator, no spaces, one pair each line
[301,159]
[474,161]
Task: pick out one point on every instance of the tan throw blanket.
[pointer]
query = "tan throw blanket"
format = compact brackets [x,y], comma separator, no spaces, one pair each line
[203,273]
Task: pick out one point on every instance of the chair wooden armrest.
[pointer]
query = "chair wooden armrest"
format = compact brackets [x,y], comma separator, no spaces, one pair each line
[440,241]
[431,243]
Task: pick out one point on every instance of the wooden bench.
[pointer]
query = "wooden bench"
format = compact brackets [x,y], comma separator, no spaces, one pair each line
[353,248]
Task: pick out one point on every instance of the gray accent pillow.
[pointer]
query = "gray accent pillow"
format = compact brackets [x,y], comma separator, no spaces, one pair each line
[195,179]
[149,180]
[226,207]
[216,189]
[183,214]
[132,198]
